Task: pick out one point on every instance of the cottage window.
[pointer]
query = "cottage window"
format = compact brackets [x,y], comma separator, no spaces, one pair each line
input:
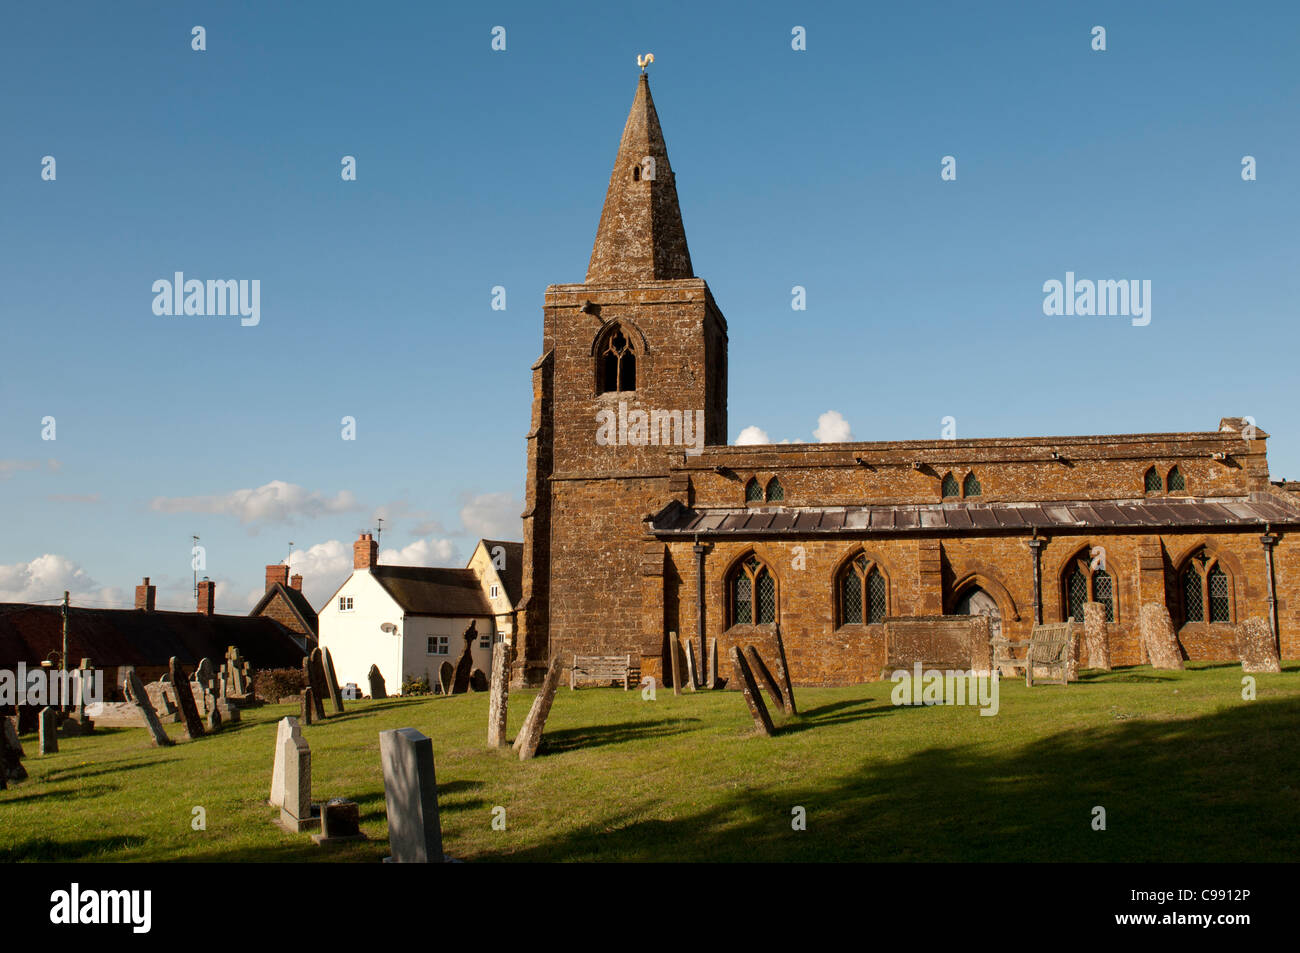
[345,603]
[437,645]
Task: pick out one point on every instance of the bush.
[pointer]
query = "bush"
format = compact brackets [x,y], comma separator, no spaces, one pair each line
[272,684]
[416,686]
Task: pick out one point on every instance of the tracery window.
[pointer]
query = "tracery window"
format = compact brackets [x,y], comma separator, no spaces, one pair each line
[1206,589]
[752,589]
[862,592]
[1085,584]
[775,492]
[616,362]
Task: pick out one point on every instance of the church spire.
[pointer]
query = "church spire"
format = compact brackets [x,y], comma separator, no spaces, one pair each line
[640,237]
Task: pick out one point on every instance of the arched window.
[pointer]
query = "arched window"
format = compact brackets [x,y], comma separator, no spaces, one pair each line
[1084,583]
[616,362]
[753,593]
[949,487]
[775,492]
[861,592]
[970,486]
[753,492]
[1176,483]
[1206,590]
[1152,481]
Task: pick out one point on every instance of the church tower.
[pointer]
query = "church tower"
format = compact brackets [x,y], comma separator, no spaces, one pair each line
[634,363]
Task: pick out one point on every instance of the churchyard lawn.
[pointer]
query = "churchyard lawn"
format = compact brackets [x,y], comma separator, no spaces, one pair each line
[1185,769]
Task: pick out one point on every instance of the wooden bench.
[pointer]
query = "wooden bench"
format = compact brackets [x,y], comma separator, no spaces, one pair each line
[1048,646]
[601,668]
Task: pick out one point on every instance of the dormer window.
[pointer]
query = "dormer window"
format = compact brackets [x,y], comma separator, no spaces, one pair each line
[616,363]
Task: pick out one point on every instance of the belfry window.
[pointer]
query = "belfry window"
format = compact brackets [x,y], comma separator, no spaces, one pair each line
[617,363]
[861,592]
[1206,590]
[752,588]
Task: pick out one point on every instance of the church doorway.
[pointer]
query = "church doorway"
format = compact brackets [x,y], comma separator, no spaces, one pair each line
[975,601]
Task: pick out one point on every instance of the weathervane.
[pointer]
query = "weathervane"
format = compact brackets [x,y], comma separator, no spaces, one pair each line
[645,60]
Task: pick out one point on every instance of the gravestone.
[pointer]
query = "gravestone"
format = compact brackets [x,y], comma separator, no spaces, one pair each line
[49,731]
[783,673]
[10,728]
[530,735]
[460,682]
[135,692]
[332,682]
[478,681]
[205,674]
[762,720]
[1095,637]
[308,706]
[189,713]
[691,677]
[410,797]
[296,811]
[377,687]
[500,699]
[315,681]
[214,720]
[78,723]
[285,728]
[319,682]
[674,655]
[247,680]
[763,677]
[11,752]
[340,820]
[1157,637]
[712,682]
[1256,647]
[445,673]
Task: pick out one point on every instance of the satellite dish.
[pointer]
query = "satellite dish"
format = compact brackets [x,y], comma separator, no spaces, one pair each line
[389,628]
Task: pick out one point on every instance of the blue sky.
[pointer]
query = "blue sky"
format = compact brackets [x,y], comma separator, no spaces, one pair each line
[478,168]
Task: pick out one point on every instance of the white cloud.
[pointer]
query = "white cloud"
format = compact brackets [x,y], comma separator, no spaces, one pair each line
[422,552]
[752,436]
[833,428]
[46,577]
[275,502]
[493,516]
[323,568]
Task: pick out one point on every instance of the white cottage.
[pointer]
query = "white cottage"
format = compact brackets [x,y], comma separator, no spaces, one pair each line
[409,620]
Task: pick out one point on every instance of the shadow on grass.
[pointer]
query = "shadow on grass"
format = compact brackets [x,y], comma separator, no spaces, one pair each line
[84,791]
[1220,787]
[595,736]
[44,849]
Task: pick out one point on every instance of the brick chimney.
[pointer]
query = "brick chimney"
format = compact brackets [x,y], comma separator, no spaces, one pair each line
[207,597]
[277,573]
[145,596]
[295,582]
[365,552]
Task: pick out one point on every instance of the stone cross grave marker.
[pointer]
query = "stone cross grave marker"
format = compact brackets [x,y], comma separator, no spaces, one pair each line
[49,731]
[530,735]
[460,681]
[410,797]
[184,698]
[500,698]
[762,720]
[376,679]
[135,692]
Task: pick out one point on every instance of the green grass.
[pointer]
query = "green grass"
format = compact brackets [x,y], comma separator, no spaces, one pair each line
[1185,769]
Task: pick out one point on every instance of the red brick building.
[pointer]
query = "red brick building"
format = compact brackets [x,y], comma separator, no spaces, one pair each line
[636,530]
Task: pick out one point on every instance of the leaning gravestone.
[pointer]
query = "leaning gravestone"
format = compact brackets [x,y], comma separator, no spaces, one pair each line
[135,692]
[713,665]
[1095,637]
[460,681]
[410,797]
[783,673]
[530,735]
[296,811]
[445,674]
[762,720]
[285,728]
[11,752]
[377,687]
[674,655]
[1157,637]
[189,713]
[332,682]
[319,682]
[691,677]
[499,700]
[763,677]
[1256,646]
[49,731]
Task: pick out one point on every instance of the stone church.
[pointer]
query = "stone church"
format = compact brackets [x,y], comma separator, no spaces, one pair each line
[628,539]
